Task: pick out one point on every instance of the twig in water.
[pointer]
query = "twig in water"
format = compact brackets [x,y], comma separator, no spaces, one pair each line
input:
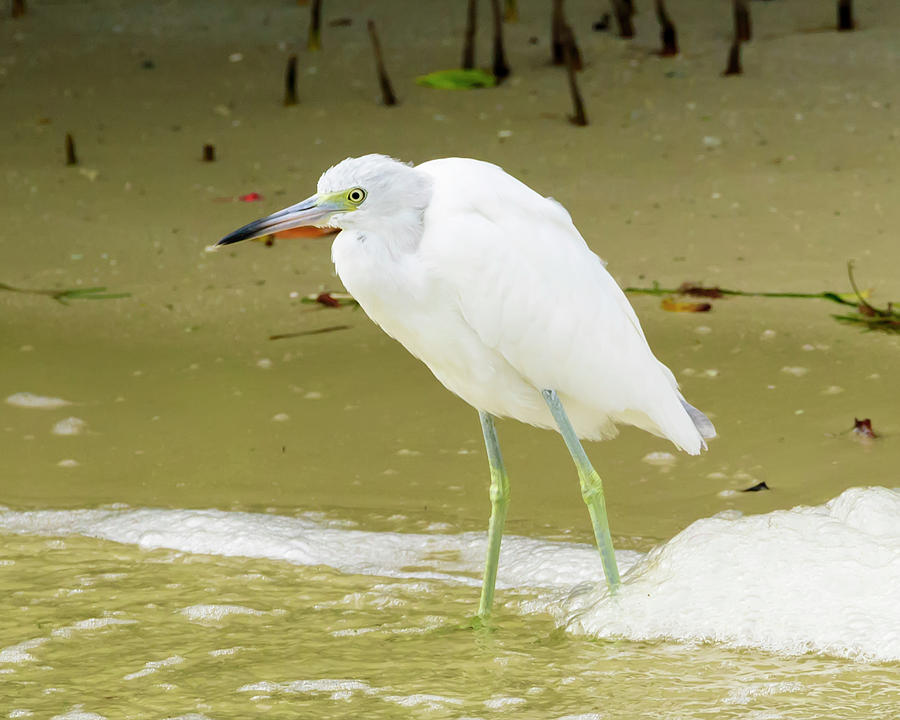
[501,67]
[556,33]
[302,333]
[734,59]
[742,21]
[579,117]
[468,58]
[624,10]
[667,31]
[314,42]
[63,296]
[845,15]
[290,82]
[71,158]
[387,92]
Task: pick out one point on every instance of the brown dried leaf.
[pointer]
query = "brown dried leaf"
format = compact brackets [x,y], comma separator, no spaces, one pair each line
[673,305]
[327,300]
[863,428]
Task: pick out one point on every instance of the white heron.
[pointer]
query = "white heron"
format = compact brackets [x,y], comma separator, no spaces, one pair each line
[493,288]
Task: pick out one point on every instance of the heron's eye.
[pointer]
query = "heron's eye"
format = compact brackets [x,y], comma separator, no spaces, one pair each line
[356,195]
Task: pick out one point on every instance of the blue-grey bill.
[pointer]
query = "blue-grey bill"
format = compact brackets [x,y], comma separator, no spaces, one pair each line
[311,211]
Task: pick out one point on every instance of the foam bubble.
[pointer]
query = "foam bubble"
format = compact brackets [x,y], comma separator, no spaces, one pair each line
[30,400]
[812,579]
[216,612]
[153,666]
[90,624]
[77,713]
[424,701]
[328,686]
[69,426]
[19,653]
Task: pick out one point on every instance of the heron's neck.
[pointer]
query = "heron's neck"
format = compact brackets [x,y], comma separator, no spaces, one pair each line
[392,237]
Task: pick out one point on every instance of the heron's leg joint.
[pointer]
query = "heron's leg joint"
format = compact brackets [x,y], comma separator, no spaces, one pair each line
[591,489]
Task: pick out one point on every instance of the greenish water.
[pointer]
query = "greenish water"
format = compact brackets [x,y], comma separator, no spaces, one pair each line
[391,649]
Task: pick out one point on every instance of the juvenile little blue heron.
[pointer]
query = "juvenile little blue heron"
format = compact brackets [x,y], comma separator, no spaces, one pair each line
[494,289]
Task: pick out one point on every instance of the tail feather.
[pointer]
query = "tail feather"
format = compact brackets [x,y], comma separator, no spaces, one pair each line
[701,422]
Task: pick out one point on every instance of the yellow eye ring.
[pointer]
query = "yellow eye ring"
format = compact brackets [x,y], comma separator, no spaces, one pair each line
[356,195]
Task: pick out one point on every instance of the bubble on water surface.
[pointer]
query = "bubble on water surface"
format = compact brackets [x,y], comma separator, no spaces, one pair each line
[153,666]
[750,691]
[660,459]
[426,702]
[40,402]
[69,426]
[216,612]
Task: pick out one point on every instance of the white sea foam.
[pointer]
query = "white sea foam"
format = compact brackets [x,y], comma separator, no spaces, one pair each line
[423,701]
[69,426]
[41,402]
[811,579]
[18,653]
[77,713]
[154,665]
[337,689]
[216,612]
[90,624]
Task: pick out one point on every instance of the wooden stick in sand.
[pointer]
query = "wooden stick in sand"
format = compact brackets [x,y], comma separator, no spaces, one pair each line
[387,91]
[290,82]
[314,42]
[209,152]
[18,8]
[667,32]
[511,11]
[468,58]
[500,68]
[71,158]
[579,117]
[742,21]
[734,59]
[557,35]
[623,10]
[845,15]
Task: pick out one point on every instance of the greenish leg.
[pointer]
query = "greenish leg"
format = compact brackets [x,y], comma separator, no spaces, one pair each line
[591,489]
[499,501]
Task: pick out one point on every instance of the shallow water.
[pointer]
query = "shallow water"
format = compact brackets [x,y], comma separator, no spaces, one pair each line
[99,624]
[179,401]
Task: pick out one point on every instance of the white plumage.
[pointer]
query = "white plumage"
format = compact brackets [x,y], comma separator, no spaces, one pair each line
[494,289]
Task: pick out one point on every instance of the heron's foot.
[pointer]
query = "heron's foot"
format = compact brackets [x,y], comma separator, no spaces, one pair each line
[480,624]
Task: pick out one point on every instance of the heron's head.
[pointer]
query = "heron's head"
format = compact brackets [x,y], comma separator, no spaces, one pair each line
[372,192]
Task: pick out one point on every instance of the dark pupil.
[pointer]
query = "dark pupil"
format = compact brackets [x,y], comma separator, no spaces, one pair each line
[355,195]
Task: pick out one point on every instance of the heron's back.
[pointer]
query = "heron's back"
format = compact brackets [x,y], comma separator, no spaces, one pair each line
[502,298]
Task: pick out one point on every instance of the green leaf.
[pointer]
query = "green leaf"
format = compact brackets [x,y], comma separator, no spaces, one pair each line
[457,79]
